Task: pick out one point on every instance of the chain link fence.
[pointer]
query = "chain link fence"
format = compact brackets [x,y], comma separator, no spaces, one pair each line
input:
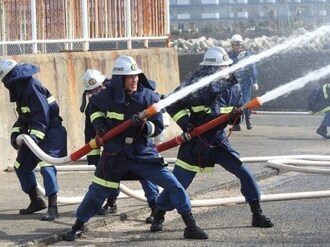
[51,26]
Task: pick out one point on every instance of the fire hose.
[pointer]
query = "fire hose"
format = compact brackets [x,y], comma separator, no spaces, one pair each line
[170,144]
[95,143]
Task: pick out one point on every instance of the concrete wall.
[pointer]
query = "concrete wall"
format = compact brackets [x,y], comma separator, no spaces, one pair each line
[62,74]
[273,72]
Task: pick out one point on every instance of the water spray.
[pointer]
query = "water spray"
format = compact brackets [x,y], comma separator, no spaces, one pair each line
[174,97]
[289,44]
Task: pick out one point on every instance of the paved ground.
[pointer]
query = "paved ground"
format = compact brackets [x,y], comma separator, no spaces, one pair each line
[272,135]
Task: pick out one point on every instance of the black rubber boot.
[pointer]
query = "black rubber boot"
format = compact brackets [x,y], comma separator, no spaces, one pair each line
[152,206]
[258,219]
[112,206]
[235,127]
[157,223]
[248,123]
[109,208]
[36,204]
[192,231]
[75,232]
[322,131]
[52,212]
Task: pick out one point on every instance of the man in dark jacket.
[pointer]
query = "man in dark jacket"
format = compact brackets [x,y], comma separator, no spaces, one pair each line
[38,117]
[94,81]
[133,150]
[200,154]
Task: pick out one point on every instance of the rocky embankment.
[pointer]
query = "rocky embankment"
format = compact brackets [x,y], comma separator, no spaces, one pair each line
[255,45]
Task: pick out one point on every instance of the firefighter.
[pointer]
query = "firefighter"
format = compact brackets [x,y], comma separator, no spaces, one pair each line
[323,129]
[38,117]
[133,150]
[318,101]
[247,76]
[200,154]
[94,81]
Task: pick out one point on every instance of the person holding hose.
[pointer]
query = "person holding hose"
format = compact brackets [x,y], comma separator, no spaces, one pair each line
[200,154]
[38,117]
[132,151]
[94,81]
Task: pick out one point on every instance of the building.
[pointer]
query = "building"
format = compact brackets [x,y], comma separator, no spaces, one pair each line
[186,15]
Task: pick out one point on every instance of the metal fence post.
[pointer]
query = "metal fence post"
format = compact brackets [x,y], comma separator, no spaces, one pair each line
[34,26]
[3,28]
[128,24]
[85,45]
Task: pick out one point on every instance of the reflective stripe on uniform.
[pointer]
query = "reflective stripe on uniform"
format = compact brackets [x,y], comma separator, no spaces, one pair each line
[325,93]
[44,164]
[193,168]
[38,133]
[179,115]
[96,115]
[16,164]
[325,109]
[25,109]
[16,130]
[51,99]
[115,115]
[224,110]
[200,108]
[153,128]
[105,183]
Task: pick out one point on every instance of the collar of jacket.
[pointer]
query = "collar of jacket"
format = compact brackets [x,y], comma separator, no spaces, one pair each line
[20,71]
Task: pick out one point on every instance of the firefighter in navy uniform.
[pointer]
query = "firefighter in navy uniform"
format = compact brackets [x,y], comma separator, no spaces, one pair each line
[247,76]
[318,101]
[200,154]
[38,117]
[94,81]
[133,150]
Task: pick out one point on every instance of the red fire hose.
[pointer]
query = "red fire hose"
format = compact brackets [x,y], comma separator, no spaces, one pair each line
[184,137]
[95,143]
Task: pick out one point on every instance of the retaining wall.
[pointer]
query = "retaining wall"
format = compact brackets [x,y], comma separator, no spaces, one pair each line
[62,74]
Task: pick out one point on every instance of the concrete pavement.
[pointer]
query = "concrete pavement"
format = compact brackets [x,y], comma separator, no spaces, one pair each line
[266,138]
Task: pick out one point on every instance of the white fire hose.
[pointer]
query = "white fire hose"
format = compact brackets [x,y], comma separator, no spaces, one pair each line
[290,162]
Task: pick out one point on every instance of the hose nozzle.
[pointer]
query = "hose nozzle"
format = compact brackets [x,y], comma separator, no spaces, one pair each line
[151,110]
[256,102]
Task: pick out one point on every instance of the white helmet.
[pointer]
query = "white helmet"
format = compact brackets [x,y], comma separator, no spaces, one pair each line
[125,65]
[92,79]
[6,66]
[236,39]
[216,56]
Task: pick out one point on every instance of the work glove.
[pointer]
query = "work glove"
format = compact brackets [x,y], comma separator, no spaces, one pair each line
[189,127]
[137,122]
[235,114]
[255,87]
[101,130]
[13,141]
